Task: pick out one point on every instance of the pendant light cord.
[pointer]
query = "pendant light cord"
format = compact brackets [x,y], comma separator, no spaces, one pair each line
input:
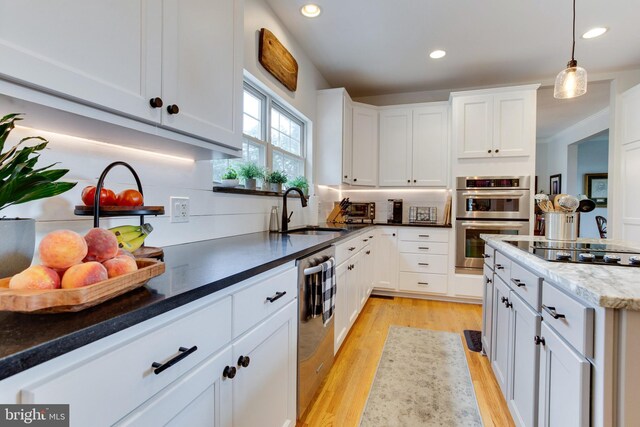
[573,46]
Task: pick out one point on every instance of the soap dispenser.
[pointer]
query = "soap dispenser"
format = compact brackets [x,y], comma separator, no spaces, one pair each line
[273,220]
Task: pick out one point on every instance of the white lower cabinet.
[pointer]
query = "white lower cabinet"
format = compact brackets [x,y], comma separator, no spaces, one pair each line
[487,311]
[264,392]
[523,369]
[502,327]
[354,287]
[386,258]
[341,321]
[564,383]
[202,397]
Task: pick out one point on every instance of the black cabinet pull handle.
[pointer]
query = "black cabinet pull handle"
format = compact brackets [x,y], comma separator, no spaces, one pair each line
[368,252]
[355,179]
[423,247]
[423,235]
[276,297]
[486,256]
[353,266]
[423,263]
[489,280]
[415,180]
[346,176]
[499,267]
[229,372]
[244,361]
[408,180]
[352,248]
[488,151]
[394,234]
[173,109]
[423,283]
[371,237]
[497,150]
[365,240]
[508,304]
[183,352]
[155,102]
[518,283]
[552,311]
[504,299]
[538,340]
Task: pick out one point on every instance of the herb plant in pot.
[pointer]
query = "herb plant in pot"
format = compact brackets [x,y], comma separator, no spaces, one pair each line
[21,182]
[250,171]
[300,182]
[230,178]
[275,180]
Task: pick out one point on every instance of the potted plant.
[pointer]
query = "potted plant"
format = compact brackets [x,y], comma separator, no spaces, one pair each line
[275,180]
[21,182]
[300,182]
[250,171]
[230,178]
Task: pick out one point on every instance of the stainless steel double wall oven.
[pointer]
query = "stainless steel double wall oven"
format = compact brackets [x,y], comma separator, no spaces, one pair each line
[488,205]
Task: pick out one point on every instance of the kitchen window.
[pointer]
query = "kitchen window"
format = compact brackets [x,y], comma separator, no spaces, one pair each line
[273,136]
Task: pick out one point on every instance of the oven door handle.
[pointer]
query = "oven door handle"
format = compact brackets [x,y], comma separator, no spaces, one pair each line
[494,194]
[497,225]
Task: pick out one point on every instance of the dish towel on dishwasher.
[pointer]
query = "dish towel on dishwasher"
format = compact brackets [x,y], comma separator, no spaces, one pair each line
[323,291]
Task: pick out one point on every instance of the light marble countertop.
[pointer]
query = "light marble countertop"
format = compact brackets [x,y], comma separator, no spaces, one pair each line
[606,286]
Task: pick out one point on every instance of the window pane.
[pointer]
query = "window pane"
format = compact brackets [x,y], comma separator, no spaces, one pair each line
[286,133]
[251,127]
[252,118]
[292,166]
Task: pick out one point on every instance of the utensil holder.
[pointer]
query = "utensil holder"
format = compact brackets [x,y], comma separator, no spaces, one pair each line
[562,225]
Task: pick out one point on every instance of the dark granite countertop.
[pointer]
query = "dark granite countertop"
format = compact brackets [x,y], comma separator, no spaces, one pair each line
[193,270]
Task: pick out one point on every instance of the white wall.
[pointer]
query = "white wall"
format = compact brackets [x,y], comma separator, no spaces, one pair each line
[213,215]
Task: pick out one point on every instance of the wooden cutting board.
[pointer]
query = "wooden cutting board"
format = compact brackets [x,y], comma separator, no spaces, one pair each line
[69,300]
[277,60]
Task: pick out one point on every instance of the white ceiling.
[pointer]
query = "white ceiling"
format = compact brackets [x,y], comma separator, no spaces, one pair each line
[374,47]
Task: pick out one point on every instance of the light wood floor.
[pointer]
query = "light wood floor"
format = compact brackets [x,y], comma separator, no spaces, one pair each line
[343,395]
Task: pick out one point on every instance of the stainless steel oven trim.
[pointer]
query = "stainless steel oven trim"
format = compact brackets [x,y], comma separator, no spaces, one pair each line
[462,225]
[524,181]
[523,212]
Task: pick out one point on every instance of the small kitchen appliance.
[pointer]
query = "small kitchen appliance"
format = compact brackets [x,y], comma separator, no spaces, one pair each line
[361,211]
[394,211]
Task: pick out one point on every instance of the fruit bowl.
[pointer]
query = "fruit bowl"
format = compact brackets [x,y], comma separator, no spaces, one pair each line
[76,299]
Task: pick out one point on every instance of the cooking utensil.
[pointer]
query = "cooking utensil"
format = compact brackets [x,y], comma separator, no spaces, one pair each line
[569,203]
[546,206]
[586,204]
[556,202]
[540,197]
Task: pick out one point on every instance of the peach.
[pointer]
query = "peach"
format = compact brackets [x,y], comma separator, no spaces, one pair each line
[102,245]
[35,277]
[120,265]
[122,252]
[62,248]
[84,274]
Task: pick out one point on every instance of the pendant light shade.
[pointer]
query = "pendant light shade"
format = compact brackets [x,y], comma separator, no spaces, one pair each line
[572,81]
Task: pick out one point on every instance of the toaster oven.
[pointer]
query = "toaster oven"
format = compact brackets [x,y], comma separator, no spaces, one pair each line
[361,211]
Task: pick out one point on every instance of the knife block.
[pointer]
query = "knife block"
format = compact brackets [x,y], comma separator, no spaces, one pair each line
[335,216]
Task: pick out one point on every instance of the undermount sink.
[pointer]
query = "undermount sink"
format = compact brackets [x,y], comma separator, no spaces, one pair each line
[315,230]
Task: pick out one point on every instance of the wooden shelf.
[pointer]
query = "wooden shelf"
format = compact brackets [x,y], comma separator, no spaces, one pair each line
[106,211]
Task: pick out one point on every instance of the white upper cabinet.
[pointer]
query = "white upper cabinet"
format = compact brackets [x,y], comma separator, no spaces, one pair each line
[364,155]
[103,53]
[494,122]
[414,146]
[120,55]
[334,126]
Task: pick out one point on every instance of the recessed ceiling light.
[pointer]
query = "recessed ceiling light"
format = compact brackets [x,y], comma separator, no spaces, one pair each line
[594,32]
[310,10]
[437,54]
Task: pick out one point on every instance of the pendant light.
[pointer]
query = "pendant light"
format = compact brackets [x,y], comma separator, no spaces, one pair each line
[572,81]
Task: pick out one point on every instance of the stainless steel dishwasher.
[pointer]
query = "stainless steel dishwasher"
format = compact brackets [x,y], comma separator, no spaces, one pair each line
[315,340]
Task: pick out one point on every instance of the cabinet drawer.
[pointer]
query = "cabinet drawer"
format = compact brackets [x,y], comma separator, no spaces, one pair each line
[251,305]
[526,284]
[423,282]
[419,263]
[572,319]
[438,248]
[423,234]
[346,250]
[116,382]
[503,267]
[489,256]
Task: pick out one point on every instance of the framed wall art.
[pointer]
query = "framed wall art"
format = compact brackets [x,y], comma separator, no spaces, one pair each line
[596,187]
[555,184]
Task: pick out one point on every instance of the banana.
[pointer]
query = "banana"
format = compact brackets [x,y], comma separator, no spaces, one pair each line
[125,237]
[124,229]
[133,244]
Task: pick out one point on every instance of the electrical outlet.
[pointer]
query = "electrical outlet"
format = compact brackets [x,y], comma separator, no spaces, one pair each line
[179,209]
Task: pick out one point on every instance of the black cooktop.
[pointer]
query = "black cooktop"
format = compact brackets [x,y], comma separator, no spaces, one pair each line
[581,253]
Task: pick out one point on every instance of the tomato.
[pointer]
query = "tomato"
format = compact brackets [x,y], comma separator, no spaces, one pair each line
[107,197]
[129,198]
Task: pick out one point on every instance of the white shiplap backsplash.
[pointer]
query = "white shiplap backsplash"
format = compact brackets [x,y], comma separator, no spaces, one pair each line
[410,197]
[212,215]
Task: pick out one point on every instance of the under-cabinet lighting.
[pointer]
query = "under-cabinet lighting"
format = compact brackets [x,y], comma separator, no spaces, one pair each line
[437,54]
[385,190]
[108,145]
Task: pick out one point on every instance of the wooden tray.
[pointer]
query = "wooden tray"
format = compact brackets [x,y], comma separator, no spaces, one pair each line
[69,300]
[119,210]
